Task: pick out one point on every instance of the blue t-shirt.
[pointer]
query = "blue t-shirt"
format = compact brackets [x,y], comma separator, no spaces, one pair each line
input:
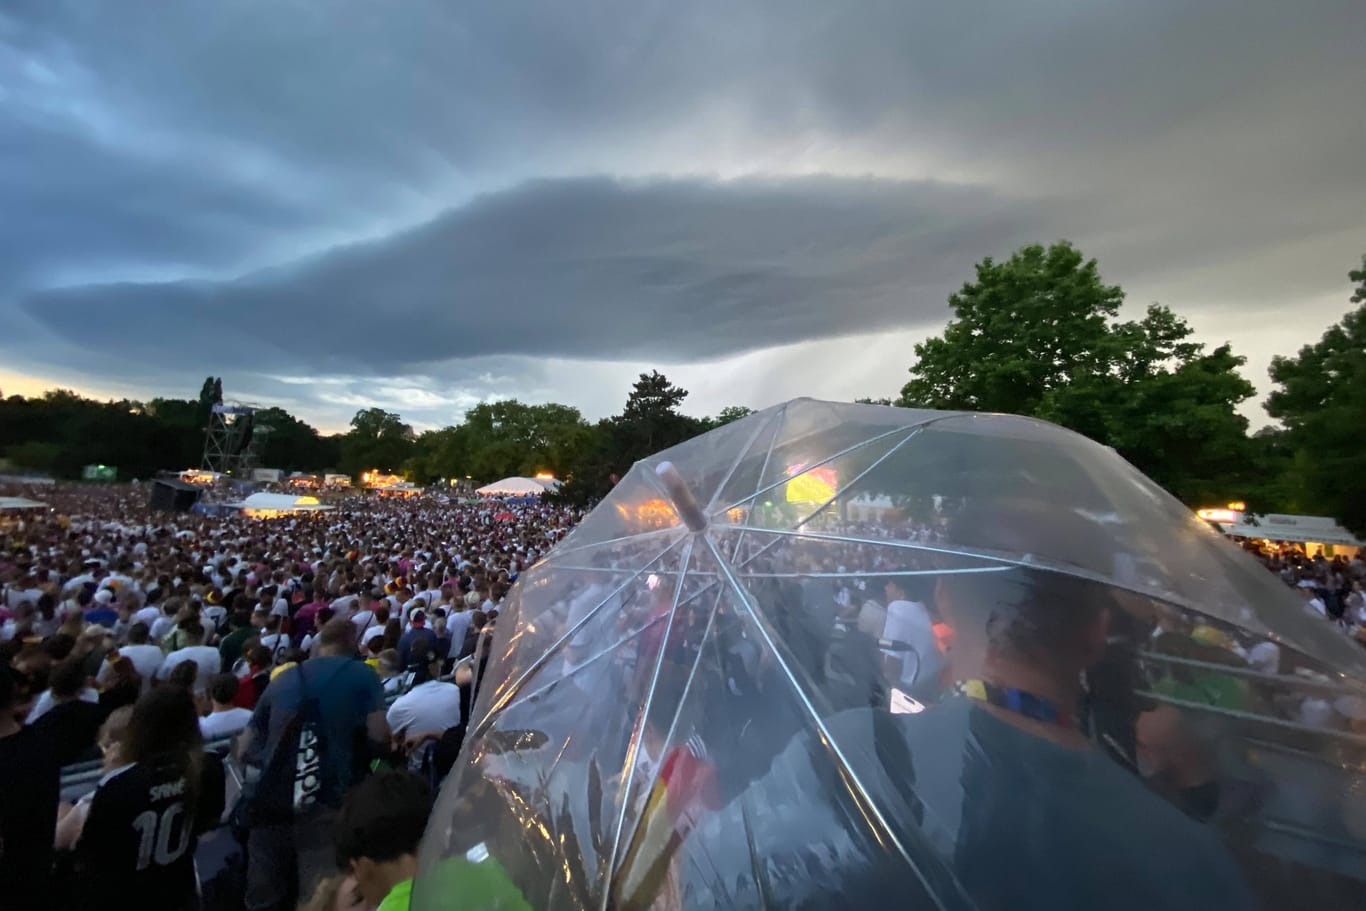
[348,691]
[102,616]
[405,644]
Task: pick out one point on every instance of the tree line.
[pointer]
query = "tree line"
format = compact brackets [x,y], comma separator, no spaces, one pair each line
[60,432]
[1037,334]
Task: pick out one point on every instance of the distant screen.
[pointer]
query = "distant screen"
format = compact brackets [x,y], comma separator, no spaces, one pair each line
[814,485]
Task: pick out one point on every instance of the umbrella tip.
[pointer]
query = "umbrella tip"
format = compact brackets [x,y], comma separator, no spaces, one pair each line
[682,497]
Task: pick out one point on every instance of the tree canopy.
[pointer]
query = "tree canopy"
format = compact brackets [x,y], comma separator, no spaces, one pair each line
[1039,335]
[1321,401]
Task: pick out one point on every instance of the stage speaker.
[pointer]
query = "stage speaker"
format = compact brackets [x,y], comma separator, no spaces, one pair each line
[173,496]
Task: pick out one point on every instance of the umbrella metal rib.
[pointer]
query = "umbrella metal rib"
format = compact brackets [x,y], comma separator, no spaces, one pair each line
[846,768]
[673,723]
[633,750]
[775,418]
[541,659]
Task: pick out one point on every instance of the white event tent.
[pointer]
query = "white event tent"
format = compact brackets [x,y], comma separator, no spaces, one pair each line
[266,505]
[513,487]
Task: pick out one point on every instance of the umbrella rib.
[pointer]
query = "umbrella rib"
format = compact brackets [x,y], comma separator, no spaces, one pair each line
[556,552]
[744,451]
[858,477]
[846,767]
[830,458]
[541,659]
[761,884]
[678,713]
[521,698]
[633,751]
[1077,572]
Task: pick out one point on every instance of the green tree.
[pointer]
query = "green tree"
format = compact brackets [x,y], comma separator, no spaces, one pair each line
[649,422]
[729,414]
[210,394]
[1024,327]
[1039,335]
[1321,401]
[291,444]
[378,439]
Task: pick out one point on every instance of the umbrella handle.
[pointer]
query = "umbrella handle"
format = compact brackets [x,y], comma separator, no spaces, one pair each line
[678,491]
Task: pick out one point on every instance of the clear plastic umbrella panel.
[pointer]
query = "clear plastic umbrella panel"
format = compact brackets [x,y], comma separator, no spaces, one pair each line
[846,656]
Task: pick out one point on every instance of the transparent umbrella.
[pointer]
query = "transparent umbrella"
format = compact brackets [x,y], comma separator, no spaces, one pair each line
[841,656]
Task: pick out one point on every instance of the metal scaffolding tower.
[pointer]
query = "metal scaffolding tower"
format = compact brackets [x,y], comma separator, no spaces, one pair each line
[231,439]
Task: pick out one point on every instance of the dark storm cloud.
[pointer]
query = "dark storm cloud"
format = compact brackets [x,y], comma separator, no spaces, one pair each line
[663,270]
[181,181]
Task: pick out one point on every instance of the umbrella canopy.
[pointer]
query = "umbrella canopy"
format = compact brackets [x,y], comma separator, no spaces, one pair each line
[1029,678]
[513,487]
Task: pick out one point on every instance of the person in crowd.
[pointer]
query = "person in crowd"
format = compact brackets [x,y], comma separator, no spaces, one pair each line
[310,641]
[910,631]
[72,674]
[274,638]
[73,720]
[392,677]
[119,683]
[206,657]
[242,628]
[336,893]
[185,676]
[225,719]
[377,626]
[417,631]
[430,705]
[145,657]
[137,843]
[71,818]
[323,707]
[378,832]
[30,774]
[255,677]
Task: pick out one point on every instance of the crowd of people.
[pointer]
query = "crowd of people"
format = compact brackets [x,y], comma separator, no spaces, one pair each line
[1334,589]
[314,648]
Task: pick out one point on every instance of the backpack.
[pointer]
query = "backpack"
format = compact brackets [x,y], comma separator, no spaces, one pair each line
[292,780]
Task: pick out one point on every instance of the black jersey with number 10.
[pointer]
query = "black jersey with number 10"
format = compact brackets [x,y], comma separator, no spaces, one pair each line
[137,848]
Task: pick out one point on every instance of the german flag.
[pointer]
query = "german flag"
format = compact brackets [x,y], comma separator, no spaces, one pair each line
[684,790]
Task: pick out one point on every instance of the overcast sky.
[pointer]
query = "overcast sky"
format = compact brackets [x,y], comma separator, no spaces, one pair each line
[421,204]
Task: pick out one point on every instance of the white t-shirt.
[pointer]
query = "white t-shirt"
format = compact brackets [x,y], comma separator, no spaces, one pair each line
[206,656]
[278,643]
[214,615]
[147,660]
[224,724]
[371,633]
[14,597]
[148,615]
[362,619]
[909,622]
[431,706]
[163,626]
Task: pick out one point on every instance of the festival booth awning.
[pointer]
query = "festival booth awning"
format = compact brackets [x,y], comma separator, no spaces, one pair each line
[1295,529]
[20,503]
[270,505]
[513,487]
